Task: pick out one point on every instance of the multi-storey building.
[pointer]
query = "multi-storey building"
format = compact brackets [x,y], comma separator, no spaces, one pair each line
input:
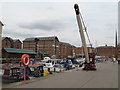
[48,46]
[79,52]
[65,50]
[108,51]
[17,44]
[44,46]
[8,42]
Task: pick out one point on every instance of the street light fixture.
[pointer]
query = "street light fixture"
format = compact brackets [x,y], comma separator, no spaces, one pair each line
[36,43]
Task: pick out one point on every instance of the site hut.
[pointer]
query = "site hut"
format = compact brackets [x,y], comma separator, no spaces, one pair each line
[13,55]
[46,46]
[1,25]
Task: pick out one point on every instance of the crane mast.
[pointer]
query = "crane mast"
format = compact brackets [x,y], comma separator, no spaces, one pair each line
[81,32]
[89,65]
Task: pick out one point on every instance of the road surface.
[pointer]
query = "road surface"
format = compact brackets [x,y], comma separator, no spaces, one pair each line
[106,76]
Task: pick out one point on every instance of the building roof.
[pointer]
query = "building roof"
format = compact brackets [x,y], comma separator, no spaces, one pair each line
[44,52]
[1,23]
[21,51]
[42,38]
[105,47]
[17,40]
[67,44]
[3,38]
[7,38]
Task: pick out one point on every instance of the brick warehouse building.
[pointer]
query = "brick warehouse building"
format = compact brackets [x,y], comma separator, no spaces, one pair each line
[65,50]
[17,44]
[8,42]
[12,50]
[108,51]
[44,46]
[78,51]
[48,46]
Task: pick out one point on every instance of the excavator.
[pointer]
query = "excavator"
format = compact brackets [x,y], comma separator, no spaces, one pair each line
[89,64]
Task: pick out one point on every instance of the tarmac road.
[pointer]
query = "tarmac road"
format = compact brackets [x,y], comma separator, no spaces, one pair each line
[106,76]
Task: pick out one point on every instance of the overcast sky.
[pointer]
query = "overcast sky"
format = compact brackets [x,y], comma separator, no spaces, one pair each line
[27,19]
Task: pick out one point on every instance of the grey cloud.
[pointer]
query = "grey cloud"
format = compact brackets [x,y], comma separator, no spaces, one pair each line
[16,34]
[111,26]
[50,8]
[44,25]
[110,37]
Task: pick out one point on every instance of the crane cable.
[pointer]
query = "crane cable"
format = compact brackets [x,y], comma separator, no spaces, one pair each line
[86,31]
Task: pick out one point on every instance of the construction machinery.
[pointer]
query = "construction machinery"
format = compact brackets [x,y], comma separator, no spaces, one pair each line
[90,57]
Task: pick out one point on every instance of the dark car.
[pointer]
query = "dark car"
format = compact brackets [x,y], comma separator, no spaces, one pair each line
[66,65]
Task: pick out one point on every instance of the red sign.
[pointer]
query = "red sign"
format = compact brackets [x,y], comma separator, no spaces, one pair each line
[25,59]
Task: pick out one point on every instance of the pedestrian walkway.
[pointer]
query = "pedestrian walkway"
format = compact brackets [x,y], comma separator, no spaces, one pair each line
[106,76]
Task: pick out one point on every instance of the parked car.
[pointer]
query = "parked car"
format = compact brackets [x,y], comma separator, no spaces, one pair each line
[48,66]
[77,64]
[59,68]
[81,61]
[98,60]
[66,65]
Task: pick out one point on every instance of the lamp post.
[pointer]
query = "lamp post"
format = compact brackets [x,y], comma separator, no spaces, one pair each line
[36,43]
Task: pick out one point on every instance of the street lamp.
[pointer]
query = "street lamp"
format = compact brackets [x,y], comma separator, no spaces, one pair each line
[36,43]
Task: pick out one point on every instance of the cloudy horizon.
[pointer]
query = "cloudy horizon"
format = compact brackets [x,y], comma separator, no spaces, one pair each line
[24,20]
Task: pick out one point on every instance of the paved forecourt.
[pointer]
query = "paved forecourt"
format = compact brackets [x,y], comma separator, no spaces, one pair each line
[106,76]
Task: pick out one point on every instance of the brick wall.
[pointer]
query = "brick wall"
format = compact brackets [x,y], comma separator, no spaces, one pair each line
[17,44]
[8,42]
[50,46]
[79,50]
[107,51]
[29,45]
